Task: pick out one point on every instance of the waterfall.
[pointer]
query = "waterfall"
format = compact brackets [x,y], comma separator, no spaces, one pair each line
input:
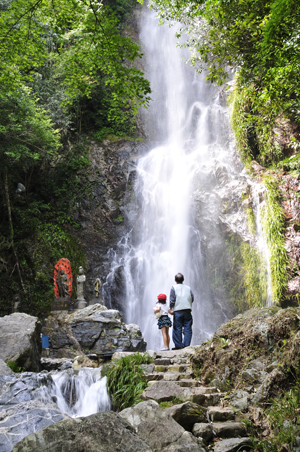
[80,393]
[189,125]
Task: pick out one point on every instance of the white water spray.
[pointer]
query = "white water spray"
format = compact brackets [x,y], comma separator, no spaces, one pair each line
[80,393]
[188,119]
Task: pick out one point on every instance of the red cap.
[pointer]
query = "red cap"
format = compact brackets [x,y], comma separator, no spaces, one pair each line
[161,296]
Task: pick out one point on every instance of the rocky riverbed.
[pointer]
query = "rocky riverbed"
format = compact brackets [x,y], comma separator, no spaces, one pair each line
[217,396]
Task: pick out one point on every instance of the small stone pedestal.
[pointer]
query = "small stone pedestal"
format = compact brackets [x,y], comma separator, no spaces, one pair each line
[80,304]
[60,304]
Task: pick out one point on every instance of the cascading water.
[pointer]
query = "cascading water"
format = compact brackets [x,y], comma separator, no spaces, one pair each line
[80,393]
[194,144]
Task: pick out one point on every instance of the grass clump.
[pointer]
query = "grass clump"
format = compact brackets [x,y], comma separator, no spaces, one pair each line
[125,379]
[254,278]
[273,228]
[175,401]
[283,418]
[14,366]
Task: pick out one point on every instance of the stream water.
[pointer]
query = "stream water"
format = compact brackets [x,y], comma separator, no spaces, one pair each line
[79,393]
[189,126]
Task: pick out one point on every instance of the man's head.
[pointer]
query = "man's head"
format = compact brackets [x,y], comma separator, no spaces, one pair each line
[179,278]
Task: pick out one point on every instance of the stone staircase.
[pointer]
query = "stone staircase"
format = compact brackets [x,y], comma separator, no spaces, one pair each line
[220,427]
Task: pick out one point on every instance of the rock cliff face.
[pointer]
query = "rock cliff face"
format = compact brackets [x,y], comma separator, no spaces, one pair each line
[104,209]
[20,340]
[93,330]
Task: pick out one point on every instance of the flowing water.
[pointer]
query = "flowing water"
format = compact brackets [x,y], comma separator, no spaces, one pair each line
[188,123]
[80,393]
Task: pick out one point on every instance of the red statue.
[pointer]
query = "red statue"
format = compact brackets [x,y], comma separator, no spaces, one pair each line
[63,279]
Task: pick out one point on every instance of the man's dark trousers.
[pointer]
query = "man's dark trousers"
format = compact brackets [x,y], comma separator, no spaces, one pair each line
[182,319]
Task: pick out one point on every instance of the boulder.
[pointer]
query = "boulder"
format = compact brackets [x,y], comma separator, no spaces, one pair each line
[101,432]
[24,407]
[93,330]
[20,340]
[162,391]
[4,369]
[158,429]
[55,364]
[203,430]
[187,414]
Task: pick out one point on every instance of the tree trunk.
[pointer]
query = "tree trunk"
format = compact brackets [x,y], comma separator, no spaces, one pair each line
[12,232]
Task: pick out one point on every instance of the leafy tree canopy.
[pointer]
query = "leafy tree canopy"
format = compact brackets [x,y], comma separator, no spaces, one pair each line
[80,38]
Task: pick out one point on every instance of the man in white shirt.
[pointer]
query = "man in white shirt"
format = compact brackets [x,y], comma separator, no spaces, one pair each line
[181,299]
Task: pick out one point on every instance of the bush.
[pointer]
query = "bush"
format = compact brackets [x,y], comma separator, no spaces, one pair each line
[125,379]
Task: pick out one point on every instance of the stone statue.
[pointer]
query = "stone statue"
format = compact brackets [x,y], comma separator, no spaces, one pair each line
[63,284]
[63,279]
[80,281]
[17,303]
[97,287]
[80,302]
[97,299]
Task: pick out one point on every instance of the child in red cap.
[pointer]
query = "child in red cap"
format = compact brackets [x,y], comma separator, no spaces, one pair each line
[164,321]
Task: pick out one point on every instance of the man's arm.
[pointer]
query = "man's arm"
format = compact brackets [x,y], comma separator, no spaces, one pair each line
[172,298]
[192,295]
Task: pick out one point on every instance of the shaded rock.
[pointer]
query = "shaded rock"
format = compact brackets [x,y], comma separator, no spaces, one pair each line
[94,329]
[218,414]
[263,390]
[187,414]
[231,445]
[147,368]
[239,399]
[20,340]
[4,369]
[19,421]
[55,364]
[229,429]
[253,376]
[154,426]
[101,432]
[203,430]
[187,443]
[24,409]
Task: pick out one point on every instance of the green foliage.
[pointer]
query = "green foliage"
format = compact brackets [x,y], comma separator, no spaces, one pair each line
[273,229]
[26,133]
[284,420]
[175,401]
[14,366]
[253,119]
[81,41]
[42,227]
[254,278]
[259,38]
[125,379]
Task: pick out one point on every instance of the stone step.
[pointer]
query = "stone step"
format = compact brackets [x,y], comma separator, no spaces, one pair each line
[207,389]
[203,430]
[172,376]
[161,368]
[162,362]
[232,445]
[175,376]
[187,383]
[154,377]
[179,368]
[204,399]
[218,414]
[229,429]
